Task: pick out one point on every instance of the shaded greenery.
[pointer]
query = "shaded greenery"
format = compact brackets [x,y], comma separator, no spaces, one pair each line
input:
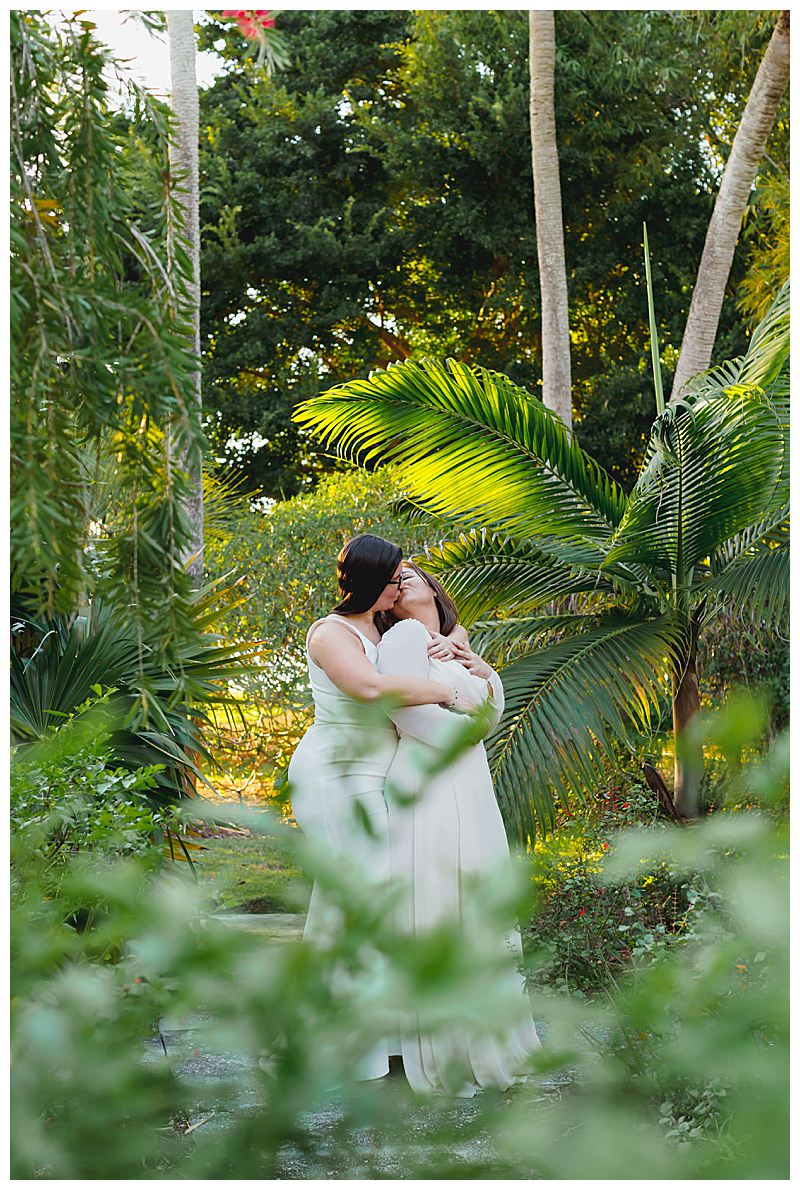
[397,219]
[161,698]
[682,1068]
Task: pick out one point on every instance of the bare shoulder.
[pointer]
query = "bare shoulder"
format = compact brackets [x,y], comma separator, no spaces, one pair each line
[460,635]
[328,636]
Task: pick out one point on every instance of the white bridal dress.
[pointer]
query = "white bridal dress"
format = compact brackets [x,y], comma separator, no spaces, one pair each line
[449,834]
[337,776]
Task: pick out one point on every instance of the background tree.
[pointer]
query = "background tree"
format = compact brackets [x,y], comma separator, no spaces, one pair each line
[99,366]
[185,179]
[741,169]
[397,219]
[556,372]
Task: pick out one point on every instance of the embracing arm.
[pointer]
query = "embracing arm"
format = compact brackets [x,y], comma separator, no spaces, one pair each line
[336,650]
[476,665]
[403,653]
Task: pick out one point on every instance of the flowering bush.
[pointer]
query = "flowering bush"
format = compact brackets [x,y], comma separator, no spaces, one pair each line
[585,931]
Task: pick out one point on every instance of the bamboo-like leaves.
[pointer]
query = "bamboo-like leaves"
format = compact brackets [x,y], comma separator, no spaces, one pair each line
[473,446]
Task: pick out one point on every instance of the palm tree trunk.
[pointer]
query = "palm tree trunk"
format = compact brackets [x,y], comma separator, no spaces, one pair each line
[723,230]
[688,766]
[184,165]
[556,374]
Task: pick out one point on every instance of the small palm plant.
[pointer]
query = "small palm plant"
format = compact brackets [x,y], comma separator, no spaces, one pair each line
[632,578]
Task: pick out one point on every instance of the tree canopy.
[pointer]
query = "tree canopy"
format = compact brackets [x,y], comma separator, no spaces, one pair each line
[373,202]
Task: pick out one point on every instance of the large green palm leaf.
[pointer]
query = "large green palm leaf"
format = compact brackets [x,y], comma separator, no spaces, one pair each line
[502,639]
[717,460]
[714,464]
[484,572]
[566,704]
[752,575]
[473,446]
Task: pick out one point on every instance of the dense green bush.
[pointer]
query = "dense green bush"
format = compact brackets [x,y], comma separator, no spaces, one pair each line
[731,657]
[586,931]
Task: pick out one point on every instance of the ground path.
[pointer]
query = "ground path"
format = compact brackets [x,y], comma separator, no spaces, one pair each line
[194,1056]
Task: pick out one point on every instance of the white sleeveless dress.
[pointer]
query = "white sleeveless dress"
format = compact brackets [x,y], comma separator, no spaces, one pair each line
[453,831]
[336,776]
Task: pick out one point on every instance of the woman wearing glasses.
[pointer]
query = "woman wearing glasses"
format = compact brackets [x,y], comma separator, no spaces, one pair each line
[446,839]
[338,769]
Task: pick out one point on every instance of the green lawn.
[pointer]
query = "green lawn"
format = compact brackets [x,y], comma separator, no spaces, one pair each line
[252,873]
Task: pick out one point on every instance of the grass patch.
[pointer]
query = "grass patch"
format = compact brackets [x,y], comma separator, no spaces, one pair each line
[252,873]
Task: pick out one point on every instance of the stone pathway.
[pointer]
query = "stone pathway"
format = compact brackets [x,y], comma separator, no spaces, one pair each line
[229,1086]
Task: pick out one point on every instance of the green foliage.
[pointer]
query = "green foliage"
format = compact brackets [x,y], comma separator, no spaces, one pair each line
[71,795]
[101,373]
[398,221]
[627,579]
[586,932]
[161,698]
[287,555]
[251,873]
[682,1068]
[729,657]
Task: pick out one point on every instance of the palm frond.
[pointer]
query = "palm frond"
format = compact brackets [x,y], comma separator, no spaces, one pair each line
[768,350]
[714,464]
[752,578]
[566,704]
[500,640]
[473,446]
[766,357]
[485,572]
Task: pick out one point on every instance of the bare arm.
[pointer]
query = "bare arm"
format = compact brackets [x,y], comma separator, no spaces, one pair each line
[336,650]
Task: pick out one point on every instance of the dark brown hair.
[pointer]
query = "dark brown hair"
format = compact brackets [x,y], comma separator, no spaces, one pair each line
[448,612]
[364,567]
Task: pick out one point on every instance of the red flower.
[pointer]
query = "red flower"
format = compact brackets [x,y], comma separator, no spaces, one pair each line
[581,912]
[251,21]
[605,847]
[625,805]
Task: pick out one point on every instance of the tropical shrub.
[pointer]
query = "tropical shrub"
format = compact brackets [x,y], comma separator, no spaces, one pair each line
[585,931]
[705,528]
[161,700]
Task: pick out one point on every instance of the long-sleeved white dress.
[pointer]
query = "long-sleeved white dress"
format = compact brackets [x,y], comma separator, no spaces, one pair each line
[449,834]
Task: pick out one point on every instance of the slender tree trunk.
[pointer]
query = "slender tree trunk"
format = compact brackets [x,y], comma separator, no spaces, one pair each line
[688,769]
[184,164]
[557,380]
[723,230]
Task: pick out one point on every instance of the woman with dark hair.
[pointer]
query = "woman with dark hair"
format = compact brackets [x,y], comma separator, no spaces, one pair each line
[446,835]
[338,769]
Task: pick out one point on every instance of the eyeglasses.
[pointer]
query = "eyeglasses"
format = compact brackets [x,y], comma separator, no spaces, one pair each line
[395,582]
